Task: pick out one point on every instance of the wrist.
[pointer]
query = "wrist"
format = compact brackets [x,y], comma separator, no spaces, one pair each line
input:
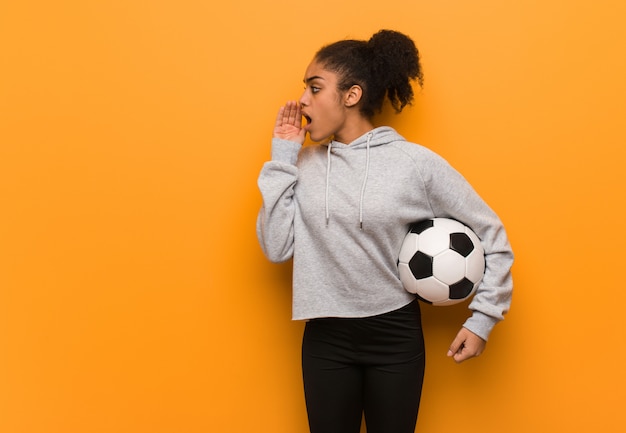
[285,150]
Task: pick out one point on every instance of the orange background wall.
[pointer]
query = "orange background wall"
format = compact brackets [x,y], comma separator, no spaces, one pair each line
[133,294]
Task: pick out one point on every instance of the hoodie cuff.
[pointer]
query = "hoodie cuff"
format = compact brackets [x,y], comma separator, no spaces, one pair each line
[480,324]
[285,150]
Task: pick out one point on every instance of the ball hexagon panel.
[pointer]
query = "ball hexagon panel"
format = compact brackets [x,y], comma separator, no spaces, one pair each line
[433,241]
[432,290]
[448,224]
[448,267]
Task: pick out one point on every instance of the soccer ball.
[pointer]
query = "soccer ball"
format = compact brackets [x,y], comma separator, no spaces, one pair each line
[442,261]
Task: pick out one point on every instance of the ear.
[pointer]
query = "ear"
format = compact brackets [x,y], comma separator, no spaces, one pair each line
[353,96]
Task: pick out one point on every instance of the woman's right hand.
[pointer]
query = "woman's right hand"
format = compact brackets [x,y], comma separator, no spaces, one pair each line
[289,123]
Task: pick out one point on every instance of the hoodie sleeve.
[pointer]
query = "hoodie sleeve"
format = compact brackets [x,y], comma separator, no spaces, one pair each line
[275,221]
[450,195]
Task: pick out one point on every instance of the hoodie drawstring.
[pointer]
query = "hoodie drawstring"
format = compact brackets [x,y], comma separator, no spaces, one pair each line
[367,169]
[330,144]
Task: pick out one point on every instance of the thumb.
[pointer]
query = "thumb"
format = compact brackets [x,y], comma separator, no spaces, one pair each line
[457,344]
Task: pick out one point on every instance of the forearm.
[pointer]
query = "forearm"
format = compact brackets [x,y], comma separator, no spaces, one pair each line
[276,216]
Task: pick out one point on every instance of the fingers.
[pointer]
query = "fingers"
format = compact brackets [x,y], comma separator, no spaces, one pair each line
[461,355]
[279,117]
[294,115]
[289,115]
[466,345]
[456,348]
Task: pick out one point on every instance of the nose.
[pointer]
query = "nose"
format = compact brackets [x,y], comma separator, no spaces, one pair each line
[304,100]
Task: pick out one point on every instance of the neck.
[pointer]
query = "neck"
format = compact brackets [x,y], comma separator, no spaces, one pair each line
[353,130]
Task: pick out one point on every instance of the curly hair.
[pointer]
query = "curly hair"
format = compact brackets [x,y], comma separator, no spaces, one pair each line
[383,67]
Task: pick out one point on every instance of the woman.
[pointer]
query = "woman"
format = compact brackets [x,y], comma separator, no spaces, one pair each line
[341,209]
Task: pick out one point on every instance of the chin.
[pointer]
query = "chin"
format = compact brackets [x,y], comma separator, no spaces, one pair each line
[317,137]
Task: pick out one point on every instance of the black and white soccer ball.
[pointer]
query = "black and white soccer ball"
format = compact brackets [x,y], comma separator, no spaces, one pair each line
[442,261]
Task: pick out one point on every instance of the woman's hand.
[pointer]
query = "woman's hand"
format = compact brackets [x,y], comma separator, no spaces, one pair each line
[289,123]
[466,345]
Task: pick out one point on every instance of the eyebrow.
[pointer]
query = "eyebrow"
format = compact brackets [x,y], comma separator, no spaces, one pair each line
[313,78]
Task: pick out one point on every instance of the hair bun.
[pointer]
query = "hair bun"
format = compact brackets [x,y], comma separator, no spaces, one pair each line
[388,38]
[395,52]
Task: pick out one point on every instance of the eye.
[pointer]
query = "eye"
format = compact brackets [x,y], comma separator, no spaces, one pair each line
[315,89]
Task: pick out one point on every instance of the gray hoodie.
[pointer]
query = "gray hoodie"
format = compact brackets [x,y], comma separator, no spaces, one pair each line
[342,211]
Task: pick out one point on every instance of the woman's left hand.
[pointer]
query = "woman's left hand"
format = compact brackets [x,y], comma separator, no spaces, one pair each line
[466,345]
[288,124]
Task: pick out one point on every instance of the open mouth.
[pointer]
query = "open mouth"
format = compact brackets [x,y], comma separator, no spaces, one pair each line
[307,118]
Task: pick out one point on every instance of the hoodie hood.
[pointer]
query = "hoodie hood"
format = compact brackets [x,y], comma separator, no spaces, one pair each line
[376,137]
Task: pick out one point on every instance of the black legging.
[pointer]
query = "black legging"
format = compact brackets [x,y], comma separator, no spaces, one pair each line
[372,366]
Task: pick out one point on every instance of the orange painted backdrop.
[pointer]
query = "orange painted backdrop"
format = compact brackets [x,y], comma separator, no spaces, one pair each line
[133,295]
